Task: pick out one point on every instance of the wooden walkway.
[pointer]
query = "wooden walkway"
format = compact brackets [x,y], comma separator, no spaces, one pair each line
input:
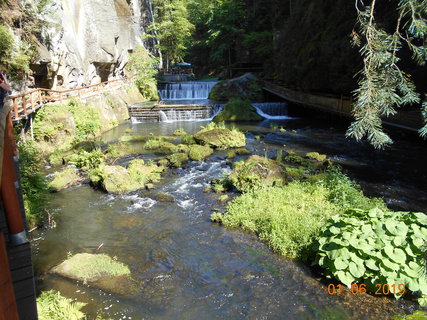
[25,104]
[407,119]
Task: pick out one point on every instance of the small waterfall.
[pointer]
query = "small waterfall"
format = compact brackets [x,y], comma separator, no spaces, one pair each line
[272,110]
[192,90]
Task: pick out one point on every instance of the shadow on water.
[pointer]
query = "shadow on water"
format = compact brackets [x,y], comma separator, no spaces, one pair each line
[188,268]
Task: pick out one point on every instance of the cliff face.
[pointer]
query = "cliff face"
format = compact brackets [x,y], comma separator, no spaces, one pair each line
[88,41]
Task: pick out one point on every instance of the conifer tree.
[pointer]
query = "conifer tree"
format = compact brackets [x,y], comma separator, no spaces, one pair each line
[383,86]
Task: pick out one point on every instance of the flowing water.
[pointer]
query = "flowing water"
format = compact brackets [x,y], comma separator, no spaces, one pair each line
[188,268]
[192,90]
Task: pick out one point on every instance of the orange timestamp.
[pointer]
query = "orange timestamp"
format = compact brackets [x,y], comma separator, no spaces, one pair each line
[380,289]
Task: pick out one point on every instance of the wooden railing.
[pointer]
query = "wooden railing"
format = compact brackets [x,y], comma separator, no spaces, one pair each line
[26,103]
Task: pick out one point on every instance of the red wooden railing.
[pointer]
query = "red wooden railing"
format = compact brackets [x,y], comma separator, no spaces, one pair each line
[26,103]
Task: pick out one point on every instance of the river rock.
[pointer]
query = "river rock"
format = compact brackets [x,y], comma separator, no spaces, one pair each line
[199,153]
[98,270]
[64,179]
[244,87]
[238,110]
[257,171]
[178,159]
[221,138]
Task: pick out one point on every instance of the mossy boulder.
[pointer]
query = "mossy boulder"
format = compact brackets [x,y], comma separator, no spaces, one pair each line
[164,197]
[179,132]
[160,146]
[98,270]
[256,172]
[246,87]
[221,138]
[238,110]
[64,179]
[198,152]
[188,139]
[178,159]
[117,179]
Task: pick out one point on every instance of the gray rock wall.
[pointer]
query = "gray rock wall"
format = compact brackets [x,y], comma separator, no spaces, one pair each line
[89,41]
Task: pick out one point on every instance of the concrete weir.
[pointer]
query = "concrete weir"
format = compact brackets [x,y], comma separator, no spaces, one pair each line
[176,112]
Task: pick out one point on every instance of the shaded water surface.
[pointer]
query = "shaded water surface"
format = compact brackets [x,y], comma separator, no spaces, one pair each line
[188,268]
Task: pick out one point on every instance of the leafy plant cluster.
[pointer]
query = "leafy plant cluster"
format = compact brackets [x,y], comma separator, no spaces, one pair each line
[34,186]
[286,218]
[12,55]
[375,247]
[144,65]
[87,160]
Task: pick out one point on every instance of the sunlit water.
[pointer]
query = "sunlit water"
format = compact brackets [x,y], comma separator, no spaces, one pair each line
[187,267]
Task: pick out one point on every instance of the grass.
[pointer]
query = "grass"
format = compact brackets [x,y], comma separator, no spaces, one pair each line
[90,267]
[287,218]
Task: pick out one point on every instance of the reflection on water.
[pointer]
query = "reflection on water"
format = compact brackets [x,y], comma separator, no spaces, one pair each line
[189,268]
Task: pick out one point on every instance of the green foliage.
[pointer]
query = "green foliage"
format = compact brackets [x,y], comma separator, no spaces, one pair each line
[173,28]
[417,315]
[87,120]
[375,247]
[88,160]
[52,306]
[238,110]
[383,86]
[12,56]
[178,159]
[34,186]
[188,139]
[344,192]
[288,218]
[145,67]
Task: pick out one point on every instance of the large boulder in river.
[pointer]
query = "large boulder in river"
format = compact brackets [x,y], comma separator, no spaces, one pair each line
[98,270]
[199,153]
[221,138]
[244,87]
[257,172]
[238,110]
[64,179]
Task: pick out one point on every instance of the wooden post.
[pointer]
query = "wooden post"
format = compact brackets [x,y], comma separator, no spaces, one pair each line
[15,108]
[40,97]
[24,104]
[32,101]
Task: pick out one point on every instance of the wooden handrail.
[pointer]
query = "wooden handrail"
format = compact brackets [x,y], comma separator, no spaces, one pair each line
[25,103]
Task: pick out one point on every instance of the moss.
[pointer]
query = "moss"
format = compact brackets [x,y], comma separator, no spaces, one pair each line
[257,172]
[142,174]
[163,162]
[178,159]
[160,146]
[132,138]
[188,139]
[199,153]
[231,154]
[223,198]
[119,150]
[417,315]
[315,156]
[164,197]
[179,132]
[64,179]
[183,148]
[90,267]
[238,110]
[242,152]
[113,179]
[221,138]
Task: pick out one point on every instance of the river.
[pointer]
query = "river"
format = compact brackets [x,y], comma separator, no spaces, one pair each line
[190,268]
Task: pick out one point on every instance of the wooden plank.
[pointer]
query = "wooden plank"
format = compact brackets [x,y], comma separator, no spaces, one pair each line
[8,306]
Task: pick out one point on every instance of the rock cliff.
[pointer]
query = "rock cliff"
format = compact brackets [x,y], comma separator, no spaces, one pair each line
[89,41]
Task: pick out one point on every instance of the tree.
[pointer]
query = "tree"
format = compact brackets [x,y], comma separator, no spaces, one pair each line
[173,28]
[383,86]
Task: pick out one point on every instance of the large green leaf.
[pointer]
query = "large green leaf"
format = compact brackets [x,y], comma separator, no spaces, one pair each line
[371,264]
[421,217]
[345,277]
[357,270]
[340,264]
[396,228]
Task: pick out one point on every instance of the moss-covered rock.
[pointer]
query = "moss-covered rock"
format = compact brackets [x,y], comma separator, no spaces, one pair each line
[238,110]
[199,153]
[246,87]
[164,197]
[117,179]
[160,146]
[179,132]
[119,150]
[98,270]
[178,159]
[257,171]
[221,138]
[64,179]
[315,156]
